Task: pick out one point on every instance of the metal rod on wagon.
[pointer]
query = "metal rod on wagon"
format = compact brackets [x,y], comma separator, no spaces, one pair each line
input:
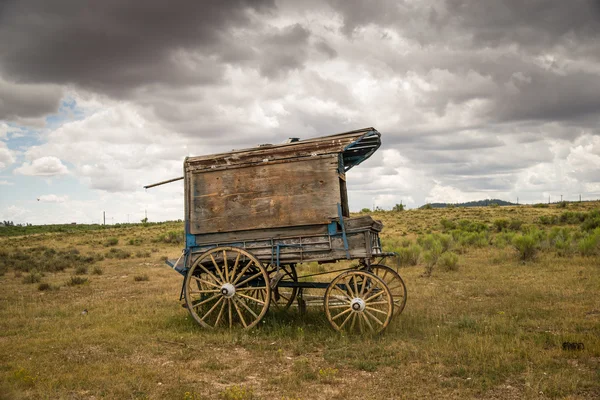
[163,182]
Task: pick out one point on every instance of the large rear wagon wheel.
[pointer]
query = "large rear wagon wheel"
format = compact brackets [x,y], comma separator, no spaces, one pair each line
[358,302]
[226,287]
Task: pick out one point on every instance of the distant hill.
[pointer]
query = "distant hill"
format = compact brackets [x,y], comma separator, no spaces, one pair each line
[478,203]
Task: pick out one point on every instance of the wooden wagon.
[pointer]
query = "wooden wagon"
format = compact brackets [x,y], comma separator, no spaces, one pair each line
[255,217]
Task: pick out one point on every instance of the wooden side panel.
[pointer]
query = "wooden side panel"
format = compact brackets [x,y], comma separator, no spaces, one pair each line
[302,192]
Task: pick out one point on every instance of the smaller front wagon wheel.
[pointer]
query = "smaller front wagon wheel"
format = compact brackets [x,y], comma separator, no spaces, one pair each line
[358,302]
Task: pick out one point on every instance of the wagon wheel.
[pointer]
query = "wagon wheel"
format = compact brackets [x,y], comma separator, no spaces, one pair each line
[227,286]
[394,282]
[283,297]
[358,301]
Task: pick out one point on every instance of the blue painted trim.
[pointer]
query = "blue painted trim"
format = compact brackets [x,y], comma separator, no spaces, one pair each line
[332,228]
[190,240]
[355,160]
[344,238]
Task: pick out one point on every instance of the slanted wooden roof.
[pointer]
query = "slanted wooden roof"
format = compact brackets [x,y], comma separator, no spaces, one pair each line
[355,147]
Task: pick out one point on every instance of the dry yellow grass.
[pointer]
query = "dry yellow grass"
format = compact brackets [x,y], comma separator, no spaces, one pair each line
[492,329]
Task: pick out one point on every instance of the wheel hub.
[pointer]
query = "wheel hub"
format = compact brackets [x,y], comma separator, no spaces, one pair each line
[228,290]
[357,304]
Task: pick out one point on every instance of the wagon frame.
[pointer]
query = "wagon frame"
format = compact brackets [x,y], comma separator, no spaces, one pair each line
[253,215]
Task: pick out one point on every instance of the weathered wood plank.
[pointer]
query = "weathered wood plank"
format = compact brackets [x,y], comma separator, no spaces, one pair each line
[303,192]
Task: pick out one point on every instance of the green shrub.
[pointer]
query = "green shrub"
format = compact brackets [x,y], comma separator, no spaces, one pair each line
[590,244]
[33,277]
[113,241]
[503,239]
[170,237]
[408,255]
[561,239]
[515,224]
[448,225]
[365,210]
[81,270]
[427,207]
[501,224]
[118,254]
[135,241]
[77,280]
[562,204]
[448,261]
[97,271]
[590,223]
[527,246]
[540,205]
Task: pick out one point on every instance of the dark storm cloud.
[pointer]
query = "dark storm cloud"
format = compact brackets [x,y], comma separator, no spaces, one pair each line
[27,101]
[113,45]
[284,51]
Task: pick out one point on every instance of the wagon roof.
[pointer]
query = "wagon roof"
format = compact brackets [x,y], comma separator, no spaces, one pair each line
[355,147]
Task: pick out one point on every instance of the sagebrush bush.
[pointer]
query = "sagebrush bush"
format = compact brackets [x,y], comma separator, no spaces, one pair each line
[118,253]
[590,244]
[81,270]
[112,241]
[527,245]
[515,224]
[33,277]
[141,278]
[448,261]
[77,280]
[501,224]
[408,255]
[97,271]
[170,237]
[448,225]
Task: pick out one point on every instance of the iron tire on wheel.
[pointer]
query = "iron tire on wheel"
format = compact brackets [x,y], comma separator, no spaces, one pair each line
[227,286]
[358,301]
[282,298]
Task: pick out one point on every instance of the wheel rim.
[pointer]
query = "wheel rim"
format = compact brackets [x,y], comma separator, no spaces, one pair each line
[283,297]
[226,287]
[358,302]
[395,283]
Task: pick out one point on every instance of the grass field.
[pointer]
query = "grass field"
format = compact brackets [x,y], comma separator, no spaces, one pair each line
[495,294]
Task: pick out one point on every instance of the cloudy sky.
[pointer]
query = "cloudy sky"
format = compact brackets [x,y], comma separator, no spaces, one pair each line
[474,99]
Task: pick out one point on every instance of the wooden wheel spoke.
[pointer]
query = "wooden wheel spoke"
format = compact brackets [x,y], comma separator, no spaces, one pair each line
[206,300]
[206,282]
[376,310]
[250,288]
[225,267]
[242,272]
[205,291]
[229,311]
[355,287]
[353,322]
[345,321]
[375,295]
[380,322]
[367,321]
[217,268]
[377,303]
[346,298]
[339,306]
[209,273]
[340,314]
[211,309]
[220,314]
[259,273]
[235,265]
[239,312]
[251,298]
[243,303]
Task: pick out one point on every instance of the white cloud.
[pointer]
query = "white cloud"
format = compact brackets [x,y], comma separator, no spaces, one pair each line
[448,194]
[7,156]
[43,166]
[52,198]
[6,183]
